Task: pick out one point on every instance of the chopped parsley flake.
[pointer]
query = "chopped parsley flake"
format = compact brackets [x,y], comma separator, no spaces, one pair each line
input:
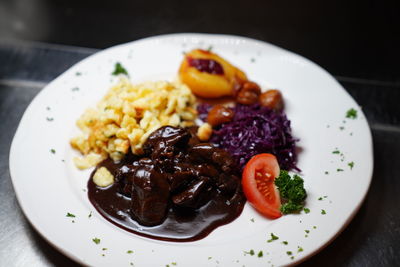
[103,255]
[260,254]
[104,249]
[53,151]
[339,170]
[306,210]
[78,73]
[96,240]
[323,212]
[326,172]
[320,198]
[351,165]
[292,257]
[49,119]
[119,69]
[273,237]
[314,227]
[90,215]
[210,48]
[173,263]
[351,114]
[131,263]
[252,219]
[307,231]
[129,252]
[300,249]
[336,152]
[70,215]
[251,252]
[341,128]
[75,89]
[285,242]
[289,253]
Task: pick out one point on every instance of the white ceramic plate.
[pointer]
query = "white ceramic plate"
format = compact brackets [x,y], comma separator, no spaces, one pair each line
[48,186]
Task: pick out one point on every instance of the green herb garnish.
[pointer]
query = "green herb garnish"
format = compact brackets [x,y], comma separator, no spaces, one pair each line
[292,191]
[339,170]
[289,253]
[300,249]
[70,215]
[96,240]
[336,152]
[273,237]
[351,165]
[285,242]
[129,252]
[119,69]
[260,254]
[306,210]
[323,212]
[351,114]
[53,151]
[250,252]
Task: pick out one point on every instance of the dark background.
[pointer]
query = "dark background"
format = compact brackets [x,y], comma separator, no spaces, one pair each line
[356,41]
[359,39]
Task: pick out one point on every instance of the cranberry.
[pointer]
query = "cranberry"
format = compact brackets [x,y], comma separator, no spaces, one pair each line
[206,65]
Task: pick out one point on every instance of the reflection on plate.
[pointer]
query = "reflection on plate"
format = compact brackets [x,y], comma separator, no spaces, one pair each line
[335,159]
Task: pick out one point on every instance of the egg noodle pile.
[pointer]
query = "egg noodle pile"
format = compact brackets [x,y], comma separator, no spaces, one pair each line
[127,115]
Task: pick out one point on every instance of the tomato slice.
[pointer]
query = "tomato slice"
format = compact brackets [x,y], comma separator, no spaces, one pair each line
[258,184]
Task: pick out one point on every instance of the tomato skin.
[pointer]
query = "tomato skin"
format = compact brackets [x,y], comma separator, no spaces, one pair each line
[265,166]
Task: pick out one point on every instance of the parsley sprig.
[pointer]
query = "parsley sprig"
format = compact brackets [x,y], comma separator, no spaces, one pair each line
[292,191]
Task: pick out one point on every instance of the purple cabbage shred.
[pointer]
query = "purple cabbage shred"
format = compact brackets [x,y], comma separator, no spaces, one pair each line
[254,130]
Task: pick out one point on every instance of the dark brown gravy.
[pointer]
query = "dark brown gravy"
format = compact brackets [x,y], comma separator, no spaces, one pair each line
[180,225]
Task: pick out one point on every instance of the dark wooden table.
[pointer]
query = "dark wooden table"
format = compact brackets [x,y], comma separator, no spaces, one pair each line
[358,44]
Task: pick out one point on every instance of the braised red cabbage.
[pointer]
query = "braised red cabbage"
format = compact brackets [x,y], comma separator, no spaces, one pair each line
[254,130]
